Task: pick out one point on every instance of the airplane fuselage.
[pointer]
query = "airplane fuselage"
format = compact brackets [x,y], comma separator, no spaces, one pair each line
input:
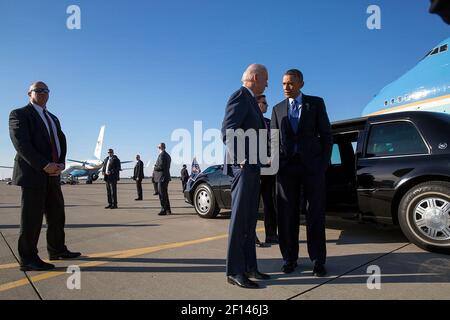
[426,87]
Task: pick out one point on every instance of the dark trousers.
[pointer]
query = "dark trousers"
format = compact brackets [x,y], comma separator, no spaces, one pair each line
[164,195]
[183,185]
[139,188]
[36,202]
[111,190]
[268,195]
[290,180]
[155,187]
[245,187]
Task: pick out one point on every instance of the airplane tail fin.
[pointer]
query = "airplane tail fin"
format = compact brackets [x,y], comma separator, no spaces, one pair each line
[98,146]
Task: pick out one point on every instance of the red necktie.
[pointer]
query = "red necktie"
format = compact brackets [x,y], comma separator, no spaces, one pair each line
[55,157]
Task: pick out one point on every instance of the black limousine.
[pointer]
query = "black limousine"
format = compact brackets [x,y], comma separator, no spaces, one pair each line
[392,167]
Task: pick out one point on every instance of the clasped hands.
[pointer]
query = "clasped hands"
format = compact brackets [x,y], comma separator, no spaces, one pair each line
[54,169]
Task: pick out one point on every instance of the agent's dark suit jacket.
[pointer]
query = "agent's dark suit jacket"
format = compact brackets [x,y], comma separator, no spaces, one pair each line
[115,169]
[242,112]
[138,171]
[313,137]
[161,172]
[31,140]
[184,175]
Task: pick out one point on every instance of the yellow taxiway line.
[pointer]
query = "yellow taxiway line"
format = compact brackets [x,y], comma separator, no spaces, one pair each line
[123,254]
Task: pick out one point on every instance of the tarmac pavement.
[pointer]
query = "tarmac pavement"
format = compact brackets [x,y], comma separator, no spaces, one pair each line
[132,253]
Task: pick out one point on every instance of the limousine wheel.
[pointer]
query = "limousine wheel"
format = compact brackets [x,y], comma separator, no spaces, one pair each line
[424,216]
[204,202]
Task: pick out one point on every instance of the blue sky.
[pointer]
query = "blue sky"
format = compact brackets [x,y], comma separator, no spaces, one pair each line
[145,68]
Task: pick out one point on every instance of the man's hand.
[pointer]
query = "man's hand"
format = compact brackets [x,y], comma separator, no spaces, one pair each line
[52,168]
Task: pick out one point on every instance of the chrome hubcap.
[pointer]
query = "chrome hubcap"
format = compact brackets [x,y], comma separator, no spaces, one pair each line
[203,201]
[432,218]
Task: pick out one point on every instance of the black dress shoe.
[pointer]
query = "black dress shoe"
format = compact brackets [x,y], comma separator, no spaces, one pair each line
[289,267]
[242,281]
[162,213]
[138,199]
[36,265]
[257,275]
[108,207]
[262,245]
[168,212]
[64,255]
[113,207]
[272,240]
[319,270]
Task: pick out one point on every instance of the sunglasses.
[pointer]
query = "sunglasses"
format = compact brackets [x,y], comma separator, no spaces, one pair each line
[41,90]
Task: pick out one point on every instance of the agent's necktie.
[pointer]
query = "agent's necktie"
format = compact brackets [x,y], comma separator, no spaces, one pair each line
[55,157]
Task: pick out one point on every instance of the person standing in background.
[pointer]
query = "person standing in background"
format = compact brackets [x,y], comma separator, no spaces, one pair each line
[111,172]
[268,186]
[162,177]
[184,177]
[138,176]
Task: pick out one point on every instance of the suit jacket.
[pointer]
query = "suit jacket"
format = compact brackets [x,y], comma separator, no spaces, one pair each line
[161,172]
[184,174]
[31,139]
[313,138]
[242,112]
[139,171]
[114,169]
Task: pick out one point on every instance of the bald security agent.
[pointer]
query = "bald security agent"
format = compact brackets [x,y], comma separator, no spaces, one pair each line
[41,151]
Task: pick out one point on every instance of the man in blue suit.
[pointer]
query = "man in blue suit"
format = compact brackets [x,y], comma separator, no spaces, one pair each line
[242,113]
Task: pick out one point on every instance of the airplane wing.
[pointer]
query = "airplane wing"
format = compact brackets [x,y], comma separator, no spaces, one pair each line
[122,162]
[82,162]
[5,167]
[77,161]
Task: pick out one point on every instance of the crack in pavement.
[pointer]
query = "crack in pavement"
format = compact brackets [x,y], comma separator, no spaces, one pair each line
[350,271]
[26,275]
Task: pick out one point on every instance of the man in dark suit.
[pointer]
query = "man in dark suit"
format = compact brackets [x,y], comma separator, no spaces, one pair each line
[184,177]
[268,186]
[155,184]
[305,152]
[162,177]
[242,114]
[41,152]
[138,176]
[111,172]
